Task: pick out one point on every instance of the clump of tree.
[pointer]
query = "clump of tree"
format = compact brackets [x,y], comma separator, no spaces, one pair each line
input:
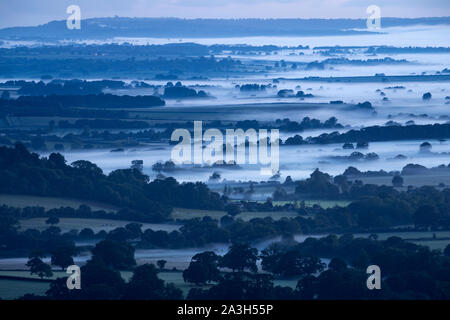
[289,263]
[240,257]
[252,87]
[39,267]
[426,96]
[178,91]
[23,172]
[202,269]
[397,181]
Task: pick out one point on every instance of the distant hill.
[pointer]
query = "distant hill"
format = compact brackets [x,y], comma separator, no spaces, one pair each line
[102,28]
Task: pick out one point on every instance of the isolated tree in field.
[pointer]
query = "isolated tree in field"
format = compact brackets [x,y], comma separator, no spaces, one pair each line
[397,181]
[426,96]
[215,176]
[161,264]
[240,257]
[202,269]
[52,220]
[425,147]
[39,267]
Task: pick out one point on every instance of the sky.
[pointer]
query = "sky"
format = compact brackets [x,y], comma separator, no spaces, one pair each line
[35,12]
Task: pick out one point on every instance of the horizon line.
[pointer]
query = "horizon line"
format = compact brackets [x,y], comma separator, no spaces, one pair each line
[237,19]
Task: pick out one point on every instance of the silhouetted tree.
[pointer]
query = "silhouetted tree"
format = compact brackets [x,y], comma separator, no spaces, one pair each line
[161,264]
[38,267]
[115,254]
[240,257]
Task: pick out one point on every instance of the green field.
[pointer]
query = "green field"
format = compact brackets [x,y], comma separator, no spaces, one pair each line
[275,215]
[67,224]
[413,180]
[12,289]
[433,244]
[27,274]
[21,201]
[425,238]
[224,112]
[309,203]
[183,214]
[409,235]
[169,277]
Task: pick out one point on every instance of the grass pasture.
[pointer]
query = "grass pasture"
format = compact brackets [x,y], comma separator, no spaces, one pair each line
[433,244]
[22,201]
[409,235]
[27,274]
[170,277]
[275,215]
[183,214]
[411,180]
[67,224]
[13,289]
[323,203]
[424,238]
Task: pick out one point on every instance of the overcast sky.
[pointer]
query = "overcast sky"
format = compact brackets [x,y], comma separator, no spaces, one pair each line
[34,12]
